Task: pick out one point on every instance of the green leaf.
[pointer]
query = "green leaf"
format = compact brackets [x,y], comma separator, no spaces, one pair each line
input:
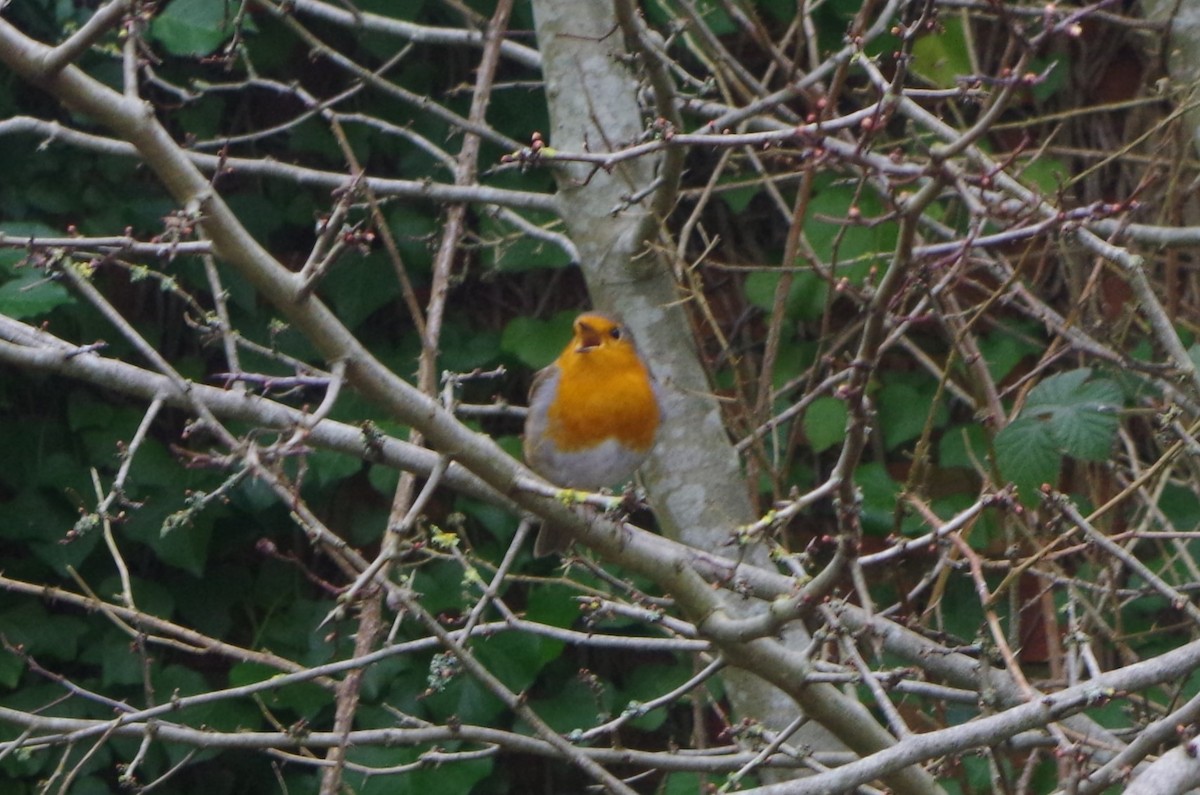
[414,231]
[903,410]
[714,16]
[855,250]
[85,411]
[1047,174]
[645,683]
[31,295]
[117,665]
[42,634]
[21,230]
[380,676]
[793,357]
[192,27]
[1027,456]
[498,523]
[465,347]
[738,197]
[328,467]
[573,706]
[537,342]
[383,479]
[513,658]
[303,698]
[1003,350]
[942,57]
[1080,415]
[520,252]
[186,547]
[467,699]
[1180,506]
[452,779]
[11,667]
[963,446]
[825,423]
[1055,71]
[683,784]
[805,298]
[209,603]
[879,493]
[358,287]
[152,597]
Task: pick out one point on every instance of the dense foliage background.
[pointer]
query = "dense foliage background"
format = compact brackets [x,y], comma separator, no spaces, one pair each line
[918,278]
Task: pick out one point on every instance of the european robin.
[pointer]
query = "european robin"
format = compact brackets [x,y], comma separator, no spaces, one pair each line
[593,415]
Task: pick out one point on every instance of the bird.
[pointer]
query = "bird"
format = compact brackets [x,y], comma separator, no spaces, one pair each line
[593,415]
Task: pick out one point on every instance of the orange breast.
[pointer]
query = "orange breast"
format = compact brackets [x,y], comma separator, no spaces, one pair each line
[603,394]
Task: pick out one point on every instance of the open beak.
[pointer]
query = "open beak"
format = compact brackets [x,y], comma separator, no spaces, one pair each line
[587,336]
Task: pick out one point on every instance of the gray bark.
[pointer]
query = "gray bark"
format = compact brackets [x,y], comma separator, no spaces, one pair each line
[693,478]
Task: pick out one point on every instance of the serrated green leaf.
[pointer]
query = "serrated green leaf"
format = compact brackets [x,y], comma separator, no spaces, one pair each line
[1057,389]
[1087,434]
[1080,415]
[31,295]
[1027,456]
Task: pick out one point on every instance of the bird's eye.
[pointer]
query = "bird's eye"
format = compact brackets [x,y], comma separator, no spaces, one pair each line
[615,332]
